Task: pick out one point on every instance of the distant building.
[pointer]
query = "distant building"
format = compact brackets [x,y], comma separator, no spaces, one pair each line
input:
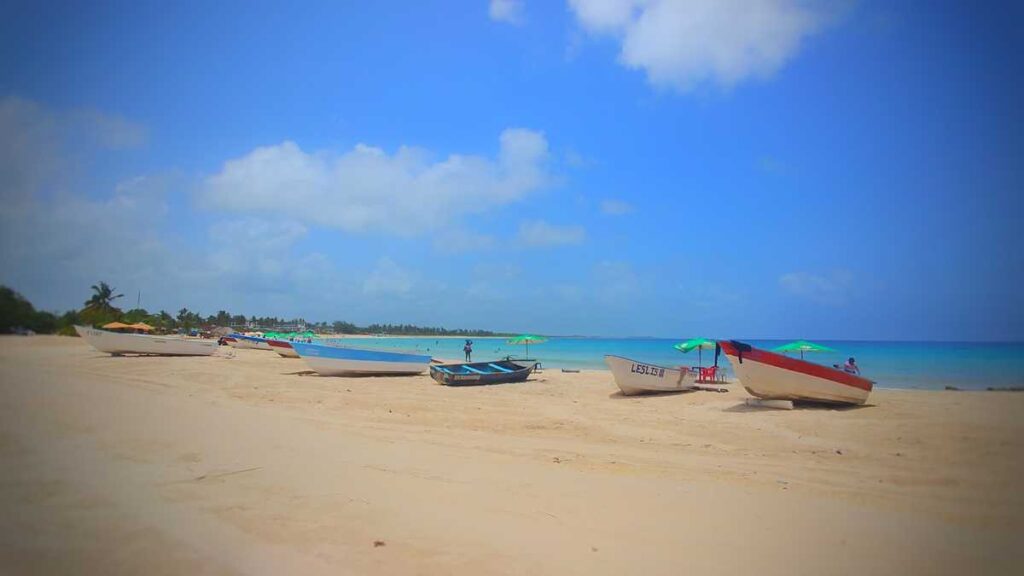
[298,326]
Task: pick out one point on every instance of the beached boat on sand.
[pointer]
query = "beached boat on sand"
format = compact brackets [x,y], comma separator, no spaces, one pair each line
[477,373]
[338,361]
[776,377]
[117,344]
[283,347]
[250,342]
[634,377]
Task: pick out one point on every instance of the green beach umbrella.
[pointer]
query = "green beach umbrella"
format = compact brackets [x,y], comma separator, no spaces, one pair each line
[803,346]
[527,339]
[697,344]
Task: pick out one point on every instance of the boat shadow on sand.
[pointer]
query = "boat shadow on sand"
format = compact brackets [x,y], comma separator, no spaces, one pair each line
[618,395]
[301,373]
[798,405]
[133,355]
[315,374]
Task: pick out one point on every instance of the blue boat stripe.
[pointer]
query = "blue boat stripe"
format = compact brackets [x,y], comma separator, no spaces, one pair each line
[339,353]
[471,369]
[502,368]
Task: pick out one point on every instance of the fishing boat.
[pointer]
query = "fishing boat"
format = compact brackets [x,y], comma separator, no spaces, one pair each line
[477,373]
[341,361]
[251,342]
[283,347]
[118,344]
[777,377]
[633,377]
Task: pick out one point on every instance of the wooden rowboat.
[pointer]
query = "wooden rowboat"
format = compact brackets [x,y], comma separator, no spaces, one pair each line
[478,373]
[776,377]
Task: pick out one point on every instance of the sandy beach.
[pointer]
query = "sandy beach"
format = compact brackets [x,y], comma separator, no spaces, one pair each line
[244,463]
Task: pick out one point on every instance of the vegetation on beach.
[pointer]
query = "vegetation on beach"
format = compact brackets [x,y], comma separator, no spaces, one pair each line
[18,314]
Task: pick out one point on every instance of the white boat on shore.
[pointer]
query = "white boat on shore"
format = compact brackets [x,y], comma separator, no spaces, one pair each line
[633,377]
[116,343]
[339,361]
[774,376]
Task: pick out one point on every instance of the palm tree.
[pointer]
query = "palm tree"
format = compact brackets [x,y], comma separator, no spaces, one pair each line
[103,297]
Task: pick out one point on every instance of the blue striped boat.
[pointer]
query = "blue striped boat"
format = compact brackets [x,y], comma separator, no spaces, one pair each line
[254,342]
[472,374]
[339,361]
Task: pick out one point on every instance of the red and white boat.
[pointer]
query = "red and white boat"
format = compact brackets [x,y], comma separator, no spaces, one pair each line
[283,347]
[776,377]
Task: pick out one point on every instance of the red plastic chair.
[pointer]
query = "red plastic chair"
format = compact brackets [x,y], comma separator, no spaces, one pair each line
[709,374]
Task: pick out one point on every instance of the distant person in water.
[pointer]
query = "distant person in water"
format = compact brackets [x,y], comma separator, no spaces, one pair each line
[468,349]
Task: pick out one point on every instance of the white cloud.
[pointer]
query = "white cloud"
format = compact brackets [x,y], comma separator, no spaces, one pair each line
[57,239]
[683,43]
[39,147]
[59,246]
[510,11]
[538,233]
[112,131]
[254,250]
[461,241]
[29,146]
[832,288]
[367,190]
[574,159]
[605,15]
[615,207]
[388,278]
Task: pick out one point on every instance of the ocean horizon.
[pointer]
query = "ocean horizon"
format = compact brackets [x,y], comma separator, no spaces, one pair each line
[929,365]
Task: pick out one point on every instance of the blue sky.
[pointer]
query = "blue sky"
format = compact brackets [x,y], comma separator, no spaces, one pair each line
[671,168]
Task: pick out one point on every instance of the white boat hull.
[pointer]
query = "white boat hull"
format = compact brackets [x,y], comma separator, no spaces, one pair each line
[344,361]
[634,377]
[114,343]
[335,367]
[776,377]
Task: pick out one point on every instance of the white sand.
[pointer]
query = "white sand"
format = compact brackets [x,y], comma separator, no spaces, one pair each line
[242,465]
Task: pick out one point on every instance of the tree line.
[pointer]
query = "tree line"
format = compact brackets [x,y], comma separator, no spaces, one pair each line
[18,314]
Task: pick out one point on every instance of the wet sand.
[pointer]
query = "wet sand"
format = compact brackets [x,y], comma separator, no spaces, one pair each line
[244,463]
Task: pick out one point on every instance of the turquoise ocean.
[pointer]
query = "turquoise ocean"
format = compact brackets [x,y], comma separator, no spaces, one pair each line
[916,365]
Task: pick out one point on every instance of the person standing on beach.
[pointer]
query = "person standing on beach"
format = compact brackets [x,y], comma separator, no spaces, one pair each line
[468,349]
